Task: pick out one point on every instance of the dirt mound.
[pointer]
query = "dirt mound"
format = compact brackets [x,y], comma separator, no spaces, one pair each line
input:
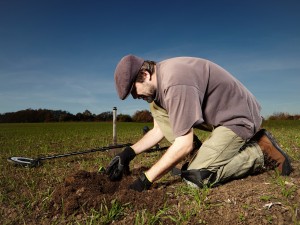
[260,199]
[93,190]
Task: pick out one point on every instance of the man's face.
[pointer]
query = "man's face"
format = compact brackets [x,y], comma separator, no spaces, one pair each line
[145,90]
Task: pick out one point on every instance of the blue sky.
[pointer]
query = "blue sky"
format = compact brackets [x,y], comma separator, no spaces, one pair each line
[61,54]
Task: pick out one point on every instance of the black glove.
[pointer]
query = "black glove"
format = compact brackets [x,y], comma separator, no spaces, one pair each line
[119,165]
[141,184]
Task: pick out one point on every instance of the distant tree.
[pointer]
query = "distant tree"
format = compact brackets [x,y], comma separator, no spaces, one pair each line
[105,116]
[87,113]
[49,117]
[124,118]
[88,116]
[85,116]
[142,116]
[66,116]
[79,116]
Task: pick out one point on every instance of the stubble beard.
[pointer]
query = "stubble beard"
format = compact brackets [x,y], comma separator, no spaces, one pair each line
[152,93]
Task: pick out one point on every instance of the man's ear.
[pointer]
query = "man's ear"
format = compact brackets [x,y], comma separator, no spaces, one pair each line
[147,75]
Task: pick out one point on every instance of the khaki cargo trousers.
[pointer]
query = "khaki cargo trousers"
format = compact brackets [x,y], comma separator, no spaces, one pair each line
[224,153]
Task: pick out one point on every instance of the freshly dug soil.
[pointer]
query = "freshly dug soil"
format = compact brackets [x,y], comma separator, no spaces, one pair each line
[253,200]
[91,189]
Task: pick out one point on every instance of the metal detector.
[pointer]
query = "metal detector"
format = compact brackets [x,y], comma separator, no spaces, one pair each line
[29,162]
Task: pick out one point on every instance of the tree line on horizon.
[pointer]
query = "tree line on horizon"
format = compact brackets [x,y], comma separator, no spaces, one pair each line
[284,116]
[47,115]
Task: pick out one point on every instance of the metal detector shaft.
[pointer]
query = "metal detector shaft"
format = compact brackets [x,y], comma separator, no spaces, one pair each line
[101,149]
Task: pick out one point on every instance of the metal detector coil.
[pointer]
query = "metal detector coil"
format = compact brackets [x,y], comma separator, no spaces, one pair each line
[23,161]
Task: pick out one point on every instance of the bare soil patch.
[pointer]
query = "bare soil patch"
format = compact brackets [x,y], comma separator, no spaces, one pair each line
[262,199]
[93,189]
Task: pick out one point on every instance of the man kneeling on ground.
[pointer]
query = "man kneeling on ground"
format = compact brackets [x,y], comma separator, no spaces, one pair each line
[187,93]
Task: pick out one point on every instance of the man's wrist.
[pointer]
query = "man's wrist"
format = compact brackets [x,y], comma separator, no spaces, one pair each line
[150,180]
[141,184]
[128,154]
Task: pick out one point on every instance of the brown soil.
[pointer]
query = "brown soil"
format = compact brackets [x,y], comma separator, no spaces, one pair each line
[91,189]
[238,202]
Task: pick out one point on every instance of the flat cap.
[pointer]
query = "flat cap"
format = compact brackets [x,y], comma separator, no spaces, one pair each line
[126,73]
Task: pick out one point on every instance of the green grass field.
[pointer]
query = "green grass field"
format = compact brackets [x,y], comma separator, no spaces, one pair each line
[21,189]
[25,193]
